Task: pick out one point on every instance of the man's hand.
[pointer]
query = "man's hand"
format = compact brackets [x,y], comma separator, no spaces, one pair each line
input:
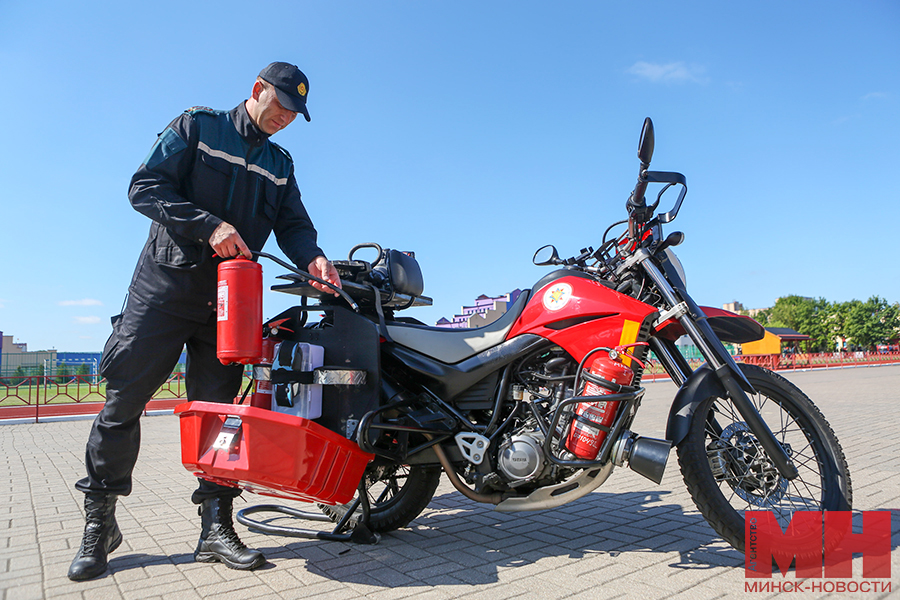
[227,242]
[322,268]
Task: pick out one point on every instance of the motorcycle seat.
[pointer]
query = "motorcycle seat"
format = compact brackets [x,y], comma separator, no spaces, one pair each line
[455,345]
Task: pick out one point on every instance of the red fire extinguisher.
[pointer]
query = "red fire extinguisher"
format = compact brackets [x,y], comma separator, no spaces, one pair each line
[262,375]
[591,420]
[239,312]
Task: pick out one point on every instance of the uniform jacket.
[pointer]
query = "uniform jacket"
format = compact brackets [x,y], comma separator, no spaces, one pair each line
[207,167]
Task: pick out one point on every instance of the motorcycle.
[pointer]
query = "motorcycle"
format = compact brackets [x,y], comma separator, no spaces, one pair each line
[534,410]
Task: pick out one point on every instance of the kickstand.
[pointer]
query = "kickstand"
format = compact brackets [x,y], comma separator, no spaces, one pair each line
[360,533]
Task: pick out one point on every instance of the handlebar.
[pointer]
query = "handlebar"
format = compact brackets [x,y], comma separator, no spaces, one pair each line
[637,204]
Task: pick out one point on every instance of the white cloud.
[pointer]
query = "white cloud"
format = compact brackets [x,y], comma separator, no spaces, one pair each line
[87,320]
[83,302]
[876,96]
[676,72]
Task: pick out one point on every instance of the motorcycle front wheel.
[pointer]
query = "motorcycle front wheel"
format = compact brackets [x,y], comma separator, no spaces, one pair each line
[727,472]
[397,494]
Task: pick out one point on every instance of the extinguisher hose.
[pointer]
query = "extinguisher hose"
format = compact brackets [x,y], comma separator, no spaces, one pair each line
[307,276]
[246,391]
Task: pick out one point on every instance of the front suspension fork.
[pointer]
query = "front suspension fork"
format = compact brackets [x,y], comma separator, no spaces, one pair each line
[726,370]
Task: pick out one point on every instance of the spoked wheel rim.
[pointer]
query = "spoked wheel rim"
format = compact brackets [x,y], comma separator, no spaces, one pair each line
[396,495]
[744,473]
[384,485]
[728,474]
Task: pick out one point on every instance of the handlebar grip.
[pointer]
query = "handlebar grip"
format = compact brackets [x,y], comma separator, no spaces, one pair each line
[638,193]
[636,200]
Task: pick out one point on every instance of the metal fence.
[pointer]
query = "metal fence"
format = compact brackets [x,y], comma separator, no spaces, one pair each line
[792,362]
[820,360]
[37,396]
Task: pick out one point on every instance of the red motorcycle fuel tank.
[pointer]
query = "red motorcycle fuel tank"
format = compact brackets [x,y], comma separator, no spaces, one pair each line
[579,314]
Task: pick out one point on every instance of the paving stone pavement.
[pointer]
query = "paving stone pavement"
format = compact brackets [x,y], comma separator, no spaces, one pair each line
[628,539]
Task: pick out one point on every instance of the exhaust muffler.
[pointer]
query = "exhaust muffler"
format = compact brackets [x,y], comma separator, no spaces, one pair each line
[646,456]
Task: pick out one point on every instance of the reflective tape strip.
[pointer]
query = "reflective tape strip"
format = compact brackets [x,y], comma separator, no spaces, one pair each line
[630,330]
[237,160]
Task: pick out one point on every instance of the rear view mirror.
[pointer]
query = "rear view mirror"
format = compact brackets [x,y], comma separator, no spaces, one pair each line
[546,255]
[648,140]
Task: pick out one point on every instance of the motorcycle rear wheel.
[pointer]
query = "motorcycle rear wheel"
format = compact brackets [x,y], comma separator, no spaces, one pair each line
[727,472]
[397,494]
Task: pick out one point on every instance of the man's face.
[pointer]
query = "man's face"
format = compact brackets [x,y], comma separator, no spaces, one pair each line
[271,117]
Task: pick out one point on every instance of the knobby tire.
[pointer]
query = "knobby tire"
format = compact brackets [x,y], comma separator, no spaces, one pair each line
[718,437]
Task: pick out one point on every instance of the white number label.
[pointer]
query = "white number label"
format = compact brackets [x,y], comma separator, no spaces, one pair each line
[223,442]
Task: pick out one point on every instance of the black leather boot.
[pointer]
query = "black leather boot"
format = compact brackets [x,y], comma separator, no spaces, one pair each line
[219,542]
[101,536]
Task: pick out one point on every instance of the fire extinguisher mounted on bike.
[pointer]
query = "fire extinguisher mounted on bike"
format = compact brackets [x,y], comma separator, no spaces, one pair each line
[608,374]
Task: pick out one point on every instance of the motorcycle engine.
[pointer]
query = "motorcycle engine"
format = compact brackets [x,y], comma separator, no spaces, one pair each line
[521,457]
[542,380]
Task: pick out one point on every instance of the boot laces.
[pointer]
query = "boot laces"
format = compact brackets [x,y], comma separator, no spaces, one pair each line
[228,535]
[92,534]
[226,527]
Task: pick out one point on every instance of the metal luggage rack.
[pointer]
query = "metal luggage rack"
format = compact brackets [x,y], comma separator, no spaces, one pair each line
[364,294]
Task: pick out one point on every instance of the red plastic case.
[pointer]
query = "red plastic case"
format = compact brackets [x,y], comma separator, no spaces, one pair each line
[273,454]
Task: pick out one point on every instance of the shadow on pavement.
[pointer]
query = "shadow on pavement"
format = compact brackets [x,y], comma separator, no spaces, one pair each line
[463,542]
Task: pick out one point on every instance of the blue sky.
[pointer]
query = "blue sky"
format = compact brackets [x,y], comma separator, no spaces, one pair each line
[469,132]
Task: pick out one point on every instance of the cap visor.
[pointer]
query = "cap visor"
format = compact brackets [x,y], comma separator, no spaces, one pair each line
[291,103]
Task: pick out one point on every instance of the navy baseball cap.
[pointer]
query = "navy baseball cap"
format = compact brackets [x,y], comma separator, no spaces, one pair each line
[291,86]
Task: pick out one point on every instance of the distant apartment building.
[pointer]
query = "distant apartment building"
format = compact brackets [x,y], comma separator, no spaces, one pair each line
[737,307]
[7,345]
[485,311]
[15,359]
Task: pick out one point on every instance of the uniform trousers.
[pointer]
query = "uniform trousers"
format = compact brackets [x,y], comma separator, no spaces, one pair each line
[138,358]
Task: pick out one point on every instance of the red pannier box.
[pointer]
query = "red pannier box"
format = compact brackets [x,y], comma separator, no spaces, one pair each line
[270,453]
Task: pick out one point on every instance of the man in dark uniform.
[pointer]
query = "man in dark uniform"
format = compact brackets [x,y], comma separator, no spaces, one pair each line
[213,184]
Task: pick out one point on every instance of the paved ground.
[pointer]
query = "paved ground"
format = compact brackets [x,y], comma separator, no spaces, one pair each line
[629,539]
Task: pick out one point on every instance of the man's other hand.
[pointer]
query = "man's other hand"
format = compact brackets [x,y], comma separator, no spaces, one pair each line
[322,268]
[227,242]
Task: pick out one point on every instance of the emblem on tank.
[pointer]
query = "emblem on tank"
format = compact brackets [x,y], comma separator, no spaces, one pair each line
[557,296]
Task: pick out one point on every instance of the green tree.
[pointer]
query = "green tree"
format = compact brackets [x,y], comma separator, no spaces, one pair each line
[63,369]
[804,315]
[870,322]
[761,317]
[840,313]
[83,369]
